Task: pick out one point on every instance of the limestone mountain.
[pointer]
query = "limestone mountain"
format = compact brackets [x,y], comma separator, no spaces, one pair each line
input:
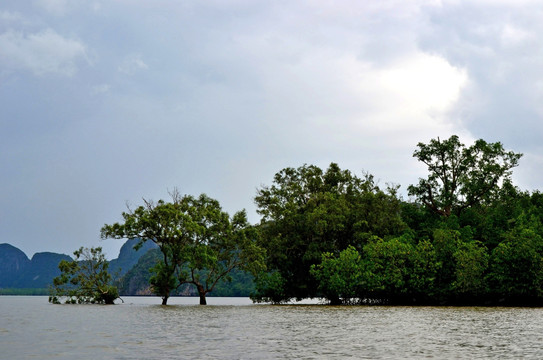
[17,271]
[128,257]
[12,263]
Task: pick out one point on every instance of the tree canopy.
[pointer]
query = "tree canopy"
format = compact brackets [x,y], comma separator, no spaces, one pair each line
[460,177]
[84,279]
[307,212]
[467,236]
[200,243]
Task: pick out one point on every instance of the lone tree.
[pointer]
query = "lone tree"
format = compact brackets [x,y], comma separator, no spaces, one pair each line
[461,177]
[84,280]
[200,243]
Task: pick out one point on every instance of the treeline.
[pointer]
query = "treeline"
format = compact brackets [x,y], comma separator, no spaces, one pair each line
[466,235]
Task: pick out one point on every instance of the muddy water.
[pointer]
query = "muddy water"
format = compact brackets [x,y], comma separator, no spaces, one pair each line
[234,328]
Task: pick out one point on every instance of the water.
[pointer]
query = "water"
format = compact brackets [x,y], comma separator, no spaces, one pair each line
[233,328]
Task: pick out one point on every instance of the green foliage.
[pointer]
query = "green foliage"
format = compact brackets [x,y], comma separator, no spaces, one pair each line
[137,280]
[516,265]
[269,287]
[461,177]
[470,236]
[387,268]
[388,271]
[240,283]
[199,242]
[307,212]
[339,277]
[446,244]
[84,279]
[471,263]
[422,282]
[163,280]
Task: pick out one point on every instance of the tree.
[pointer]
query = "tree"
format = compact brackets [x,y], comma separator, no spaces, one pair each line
[471,266]
[387,269]
[200,243]
[516,265]
[307,212]
[170,226]
[339,277]
[445,242]
[461,177]
[225,245]
[269,287]
[84,279]
[424,271]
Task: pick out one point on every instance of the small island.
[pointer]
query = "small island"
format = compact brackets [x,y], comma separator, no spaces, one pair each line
[466,235]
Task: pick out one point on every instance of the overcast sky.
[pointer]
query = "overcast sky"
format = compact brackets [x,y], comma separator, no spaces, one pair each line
[108,102]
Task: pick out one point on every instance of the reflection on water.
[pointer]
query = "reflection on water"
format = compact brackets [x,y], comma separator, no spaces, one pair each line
[233,328]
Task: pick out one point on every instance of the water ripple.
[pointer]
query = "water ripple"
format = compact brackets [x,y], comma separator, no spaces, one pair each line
[32,328]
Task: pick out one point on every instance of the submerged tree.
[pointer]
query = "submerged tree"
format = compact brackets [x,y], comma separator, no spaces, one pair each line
[461,177]
[224,245]
[340,277]
[84,279]
[307,212]
[516,264]
[200,243]
[160,223]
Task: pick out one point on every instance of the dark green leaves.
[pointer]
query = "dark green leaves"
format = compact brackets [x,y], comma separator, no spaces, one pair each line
[460,177]
[199,241]
[308,211]
[84,280]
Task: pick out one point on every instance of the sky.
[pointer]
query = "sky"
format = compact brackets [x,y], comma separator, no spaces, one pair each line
[106,103]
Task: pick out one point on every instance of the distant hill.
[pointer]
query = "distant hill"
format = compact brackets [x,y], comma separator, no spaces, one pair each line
[128,257]
[136,281]
[13,262]
[20,275]
[19,272]
[41,271]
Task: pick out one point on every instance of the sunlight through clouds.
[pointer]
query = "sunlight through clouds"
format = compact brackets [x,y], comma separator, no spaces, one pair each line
[217,96]
[424,87]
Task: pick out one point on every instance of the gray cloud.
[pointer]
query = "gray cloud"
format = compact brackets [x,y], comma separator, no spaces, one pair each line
[110,102]
[499,44]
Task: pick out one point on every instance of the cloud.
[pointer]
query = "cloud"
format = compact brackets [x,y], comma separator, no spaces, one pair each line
[512,36]
[499,45]
[216,97]
[100,89]
[132,64]
[320,93]
[61,8]
[501,53]
[44,52]
[423,86]
[10,17]
[55,7]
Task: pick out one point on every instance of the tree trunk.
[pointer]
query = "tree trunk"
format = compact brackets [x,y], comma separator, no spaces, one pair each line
[202,294]
[165,300]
